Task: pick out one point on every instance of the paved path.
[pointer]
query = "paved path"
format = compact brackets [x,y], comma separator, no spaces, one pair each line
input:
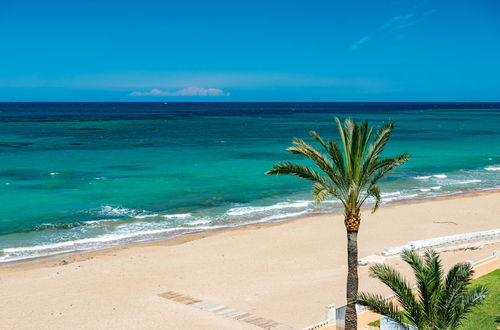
[225,311]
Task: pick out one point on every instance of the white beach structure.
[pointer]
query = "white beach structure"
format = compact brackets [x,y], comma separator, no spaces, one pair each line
[488,235]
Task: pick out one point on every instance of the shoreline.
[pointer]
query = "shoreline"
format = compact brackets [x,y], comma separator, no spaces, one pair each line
[188,237]
[287,271]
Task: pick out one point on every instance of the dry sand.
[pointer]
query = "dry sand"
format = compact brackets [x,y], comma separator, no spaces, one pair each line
[288,272]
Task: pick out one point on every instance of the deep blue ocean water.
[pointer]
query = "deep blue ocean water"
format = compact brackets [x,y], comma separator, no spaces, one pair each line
[83,176]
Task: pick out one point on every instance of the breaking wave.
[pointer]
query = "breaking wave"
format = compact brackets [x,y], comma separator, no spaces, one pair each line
[259,209]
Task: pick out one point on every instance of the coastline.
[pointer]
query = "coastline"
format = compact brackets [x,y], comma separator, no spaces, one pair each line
[287,271]
[256,224]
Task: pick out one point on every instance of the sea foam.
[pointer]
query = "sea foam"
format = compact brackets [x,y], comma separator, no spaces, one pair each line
[282,216]
[154,215]
[396,193]
[177,216]
[198,222]
[108,210]
[117,211]
[468,181]
[259,209]
[86,244]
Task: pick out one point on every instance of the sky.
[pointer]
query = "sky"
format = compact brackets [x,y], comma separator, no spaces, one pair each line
[405,50]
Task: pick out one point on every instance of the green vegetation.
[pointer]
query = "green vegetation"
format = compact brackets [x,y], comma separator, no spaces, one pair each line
[439,301]
[350,173]
[486,315]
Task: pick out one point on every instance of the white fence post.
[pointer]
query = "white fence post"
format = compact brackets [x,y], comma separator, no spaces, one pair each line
[330,315]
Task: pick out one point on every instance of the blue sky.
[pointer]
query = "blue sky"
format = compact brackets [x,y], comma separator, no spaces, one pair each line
[405,50]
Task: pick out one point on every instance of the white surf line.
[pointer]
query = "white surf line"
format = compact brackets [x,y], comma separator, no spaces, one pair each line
[225,311]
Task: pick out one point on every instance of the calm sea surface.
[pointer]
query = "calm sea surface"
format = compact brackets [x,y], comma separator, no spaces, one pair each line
[83,176]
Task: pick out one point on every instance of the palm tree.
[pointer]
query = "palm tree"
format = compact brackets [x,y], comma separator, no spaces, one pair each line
[350,175]
[440,302]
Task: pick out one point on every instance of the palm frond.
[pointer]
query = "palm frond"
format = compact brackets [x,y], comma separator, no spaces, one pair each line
[470,299]
[378,304]
[373,191]
[413,259]
[322,188]
[318,138]
[382,168]
[301,171]
[458,277]
[302,148]
[432,289]
[420,270]
[363,137]
[382,137]
[391,278]
[320,192]
[345,139]
[336,156]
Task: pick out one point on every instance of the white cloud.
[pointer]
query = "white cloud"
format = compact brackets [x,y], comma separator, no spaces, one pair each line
[360,42]
[393,26]
[400,22]
[188,91]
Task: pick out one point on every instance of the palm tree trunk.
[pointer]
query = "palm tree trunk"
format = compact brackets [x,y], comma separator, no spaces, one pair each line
[352,226]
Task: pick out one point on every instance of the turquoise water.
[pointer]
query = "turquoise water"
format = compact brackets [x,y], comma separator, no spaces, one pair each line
[83,176]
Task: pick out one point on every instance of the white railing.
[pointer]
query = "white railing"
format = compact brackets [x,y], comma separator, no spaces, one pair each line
[330,319]
[496,254]
[319,325]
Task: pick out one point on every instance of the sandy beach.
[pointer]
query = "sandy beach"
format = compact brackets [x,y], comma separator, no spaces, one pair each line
[288,272]
[212,165]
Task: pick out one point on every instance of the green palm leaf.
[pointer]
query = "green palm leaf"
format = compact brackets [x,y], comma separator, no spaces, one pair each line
[438,302]
[353,170]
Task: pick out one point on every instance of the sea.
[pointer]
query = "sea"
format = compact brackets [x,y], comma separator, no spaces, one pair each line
[85,176]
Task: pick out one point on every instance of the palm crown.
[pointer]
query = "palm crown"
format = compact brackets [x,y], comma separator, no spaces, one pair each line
[440,302]
[351,174]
